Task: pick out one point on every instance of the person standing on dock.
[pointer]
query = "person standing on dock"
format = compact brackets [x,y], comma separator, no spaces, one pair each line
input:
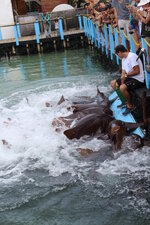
[132,76]
[57,27]
[47,23]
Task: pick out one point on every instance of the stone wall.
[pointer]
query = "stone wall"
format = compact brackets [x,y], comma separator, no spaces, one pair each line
[49,5]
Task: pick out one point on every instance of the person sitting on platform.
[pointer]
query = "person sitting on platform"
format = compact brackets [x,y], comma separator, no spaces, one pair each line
[132,76]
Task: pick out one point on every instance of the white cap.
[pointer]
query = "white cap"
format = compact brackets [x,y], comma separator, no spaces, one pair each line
[143,2]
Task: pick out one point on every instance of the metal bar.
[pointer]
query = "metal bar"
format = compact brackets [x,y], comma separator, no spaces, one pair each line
[80,21]
[18,30]
[16,36]
[123,39]
[132,44]
[1,34]
[61,28]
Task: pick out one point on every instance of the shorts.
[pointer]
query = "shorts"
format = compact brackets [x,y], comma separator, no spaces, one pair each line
[124,24]
[132,27]
[131,83]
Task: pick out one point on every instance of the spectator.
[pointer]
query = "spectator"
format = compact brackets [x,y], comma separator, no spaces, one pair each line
[133,26]
[47,24]
[145,19]
[121,14]
[57,27]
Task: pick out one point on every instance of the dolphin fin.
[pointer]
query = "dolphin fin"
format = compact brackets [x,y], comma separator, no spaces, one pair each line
[62,99]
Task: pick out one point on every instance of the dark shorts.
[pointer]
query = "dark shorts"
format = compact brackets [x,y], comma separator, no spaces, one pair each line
[131,83]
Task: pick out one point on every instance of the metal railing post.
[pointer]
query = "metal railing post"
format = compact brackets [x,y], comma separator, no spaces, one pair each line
[1,34]
[123,39]
[147,75]
[98,36]
[16,36]
[18,30]
[37,30]
[80,21]
[132,44]
[61,29]
[106,39]
[116,42]
[102,41]
[111,41]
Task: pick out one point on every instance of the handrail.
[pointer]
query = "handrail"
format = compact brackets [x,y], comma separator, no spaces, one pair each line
[113,40]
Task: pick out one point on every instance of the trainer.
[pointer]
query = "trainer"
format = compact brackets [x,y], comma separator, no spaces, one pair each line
[132,76]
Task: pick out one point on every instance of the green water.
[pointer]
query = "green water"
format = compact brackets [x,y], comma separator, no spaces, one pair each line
[43,179]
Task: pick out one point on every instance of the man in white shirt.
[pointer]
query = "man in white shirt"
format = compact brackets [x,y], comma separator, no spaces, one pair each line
[132,76]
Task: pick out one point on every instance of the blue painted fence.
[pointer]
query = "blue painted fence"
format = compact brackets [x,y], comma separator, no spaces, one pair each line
[100,38]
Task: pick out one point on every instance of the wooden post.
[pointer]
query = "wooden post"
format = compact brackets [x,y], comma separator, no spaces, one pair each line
[13,50]
[68,44]
[64,43]
[55,47]
[145,113]
[82,43]
[27,49]
[41,45]
[38,48]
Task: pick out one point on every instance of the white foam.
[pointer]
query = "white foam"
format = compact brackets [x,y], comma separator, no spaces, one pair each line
[33,142]
[127,163]
[27,128]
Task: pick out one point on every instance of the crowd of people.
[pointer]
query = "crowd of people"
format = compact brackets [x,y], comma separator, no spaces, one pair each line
[132,15]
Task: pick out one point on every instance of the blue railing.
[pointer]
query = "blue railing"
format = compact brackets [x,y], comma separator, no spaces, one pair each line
[108,38]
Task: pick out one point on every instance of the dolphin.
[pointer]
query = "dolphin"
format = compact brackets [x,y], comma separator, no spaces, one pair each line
[88,125]
[97,110]
[79,107]
[118,129]
[102,99]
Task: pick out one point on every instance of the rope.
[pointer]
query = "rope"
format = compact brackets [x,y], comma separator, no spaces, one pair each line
[125,35]
[117,30]
[86,15]
[148,44]
[111,30]
[106,26]
[135,41]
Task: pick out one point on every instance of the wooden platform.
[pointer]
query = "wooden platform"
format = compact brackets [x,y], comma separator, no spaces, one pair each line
[41,37]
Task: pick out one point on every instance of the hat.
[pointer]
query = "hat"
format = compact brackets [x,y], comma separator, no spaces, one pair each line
[143,2]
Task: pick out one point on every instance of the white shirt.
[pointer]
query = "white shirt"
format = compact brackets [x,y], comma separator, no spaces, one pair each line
[56,25]
[128,64]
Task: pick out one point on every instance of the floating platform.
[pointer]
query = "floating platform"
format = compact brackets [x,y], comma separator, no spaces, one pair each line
[118,114]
